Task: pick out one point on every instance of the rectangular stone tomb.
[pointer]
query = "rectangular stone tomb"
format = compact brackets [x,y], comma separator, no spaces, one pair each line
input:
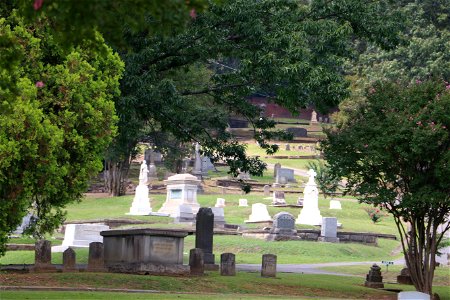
[145,251]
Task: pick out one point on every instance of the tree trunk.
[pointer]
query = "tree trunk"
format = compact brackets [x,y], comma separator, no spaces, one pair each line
[115,176]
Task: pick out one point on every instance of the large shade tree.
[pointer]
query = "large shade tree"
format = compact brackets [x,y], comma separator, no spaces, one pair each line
[291,51]
[394,153]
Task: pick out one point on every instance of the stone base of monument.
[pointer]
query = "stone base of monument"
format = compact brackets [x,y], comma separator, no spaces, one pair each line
[375,285]
[286,205]
[149,268]
[43,268]
[308,217]
[211,267]
[141,202]
[404,279]
[282,237]
[328,239]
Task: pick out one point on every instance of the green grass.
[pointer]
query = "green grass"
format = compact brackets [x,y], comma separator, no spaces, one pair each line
[229,287]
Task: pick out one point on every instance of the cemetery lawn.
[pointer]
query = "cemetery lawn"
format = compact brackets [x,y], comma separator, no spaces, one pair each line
[243,285]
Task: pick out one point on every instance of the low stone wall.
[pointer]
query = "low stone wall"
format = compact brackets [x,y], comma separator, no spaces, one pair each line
[314,234]
[19,247]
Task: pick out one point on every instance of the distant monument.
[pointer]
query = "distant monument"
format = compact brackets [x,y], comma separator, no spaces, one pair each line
[198,170]
[310,214]
[181,189]
[141,201]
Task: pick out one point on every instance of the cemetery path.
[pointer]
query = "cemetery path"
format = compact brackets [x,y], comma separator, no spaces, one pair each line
[312,268]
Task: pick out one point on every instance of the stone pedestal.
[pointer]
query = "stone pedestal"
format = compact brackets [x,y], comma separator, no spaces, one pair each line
[181,189]
[227,264]
[196,262]
[204,234]
[145,251]
[374,278]
[310,213]
[96,261]
[269,265]
[141,202]
[69,260]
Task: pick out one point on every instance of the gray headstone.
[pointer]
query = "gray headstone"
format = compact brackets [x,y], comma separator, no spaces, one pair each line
[287,173]
[96,262]
[196,262]
[328,231]
[413,296]
[269,265]
[69,260]
[227,264]
[287,147]
[204,233]
[275,169]
[278,198]
[284,220]
[184,214]
[267,190]
[219,216]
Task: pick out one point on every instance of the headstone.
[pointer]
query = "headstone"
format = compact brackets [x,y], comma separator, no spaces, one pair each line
[300,201]
[320,119]
[69,260]
[181,189]
[196,262]
[184,214]
[259,214]
[374,278]
[287,173]
[404,277]
[224,190]
[227,264]
[335,204]
[204,234]
[219,216]
[275,169]
[278,198]
[206,164]
[313,117]
[80,236]
[244,175]
[287,147]
[243,202]
[310,213]
[269,265]
[328,231]
[141,201]
[413,296]
[220,202]
[96,257]
[43,256]
[283,228]
[267,190]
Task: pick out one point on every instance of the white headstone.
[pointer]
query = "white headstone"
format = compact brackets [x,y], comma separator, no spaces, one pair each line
[266,190]
[310,213]
[181,189]
[243,202]
[335,204]
[220,202]
[81,235]
[413,296]
[259,213]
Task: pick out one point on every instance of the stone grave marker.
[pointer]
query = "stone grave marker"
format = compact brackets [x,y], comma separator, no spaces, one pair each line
[80,236]
[298,132]
[26,221]
[328,231]
[219,216]
[196,262]
[404,277]
[374,278]
[335,204]
[287,147]
[220,202]
[259,214]
[275,169]
[181,189]
[278,198]
[227,264]
[43,256]
[267,190]
[96,257]
[69,260]
[283,228]
[184,214]
[310,213]
[243,202]
[287,173]
[269,265]
[204,235]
